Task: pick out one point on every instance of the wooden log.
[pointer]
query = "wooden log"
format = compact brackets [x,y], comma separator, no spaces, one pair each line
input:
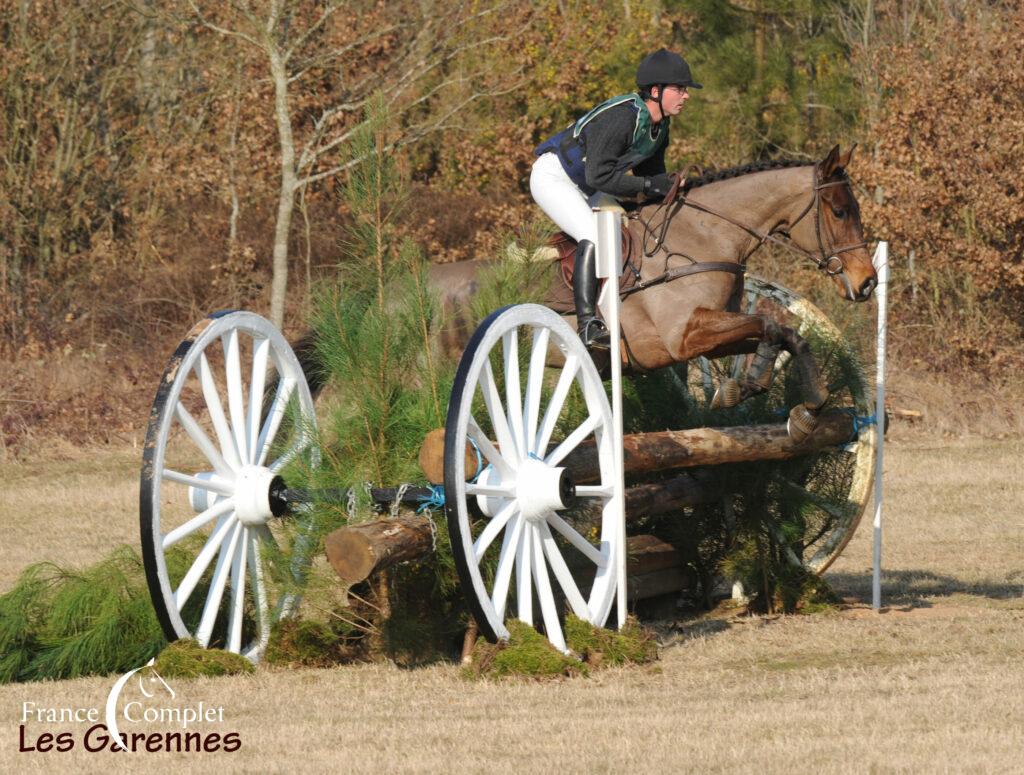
[360,551]
[357,551]
[666,450]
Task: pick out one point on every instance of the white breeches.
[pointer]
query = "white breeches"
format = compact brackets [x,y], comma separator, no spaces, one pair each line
[561,199]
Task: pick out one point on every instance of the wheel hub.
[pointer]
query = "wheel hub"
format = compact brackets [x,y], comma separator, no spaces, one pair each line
[252,495]
[541,489]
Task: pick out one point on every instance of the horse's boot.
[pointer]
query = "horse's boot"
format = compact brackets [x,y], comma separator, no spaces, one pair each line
[584,290]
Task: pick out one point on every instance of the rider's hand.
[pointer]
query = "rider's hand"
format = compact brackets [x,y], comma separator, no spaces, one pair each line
[658,185]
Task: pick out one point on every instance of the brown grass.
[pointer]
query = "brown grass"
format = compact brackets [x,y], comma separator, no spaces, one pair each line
[932,683]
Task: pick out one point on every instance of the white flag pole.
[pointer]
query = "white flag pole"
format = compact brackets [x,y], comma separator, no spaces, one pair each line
[881,262]
[609,265]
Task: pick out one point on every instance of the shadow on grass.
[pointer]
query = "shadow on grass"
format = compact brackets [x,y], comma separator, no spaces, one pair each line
[918,588]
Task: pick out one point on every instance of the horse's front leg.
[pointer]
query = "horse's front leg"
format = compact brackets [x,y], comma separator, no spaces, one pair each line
[713,333]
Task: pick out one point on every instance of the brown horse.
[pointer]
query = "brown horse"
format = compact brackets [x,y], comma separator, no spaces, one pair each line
[695,248]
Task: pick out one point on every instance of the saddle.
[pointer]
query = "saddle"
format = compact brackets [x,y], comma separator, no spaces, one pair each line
[565,248]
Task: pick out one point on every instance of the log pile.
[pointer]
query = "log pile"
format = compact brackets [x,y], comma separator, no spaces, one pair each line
[357,552]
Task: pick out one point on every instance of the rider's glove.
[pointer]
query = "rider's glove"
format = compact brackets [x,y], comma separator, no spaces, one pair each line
[658,185]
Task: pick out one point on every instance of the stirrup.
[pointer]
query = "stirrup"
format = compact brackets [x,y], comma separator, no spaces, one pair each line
[595,334]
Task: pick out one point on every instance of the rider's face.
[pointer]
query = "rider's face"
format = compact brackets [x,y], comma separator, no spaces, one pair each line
[673,98]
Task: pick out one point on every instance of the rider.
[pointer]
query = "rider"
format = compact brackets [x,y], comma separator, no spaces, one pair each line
[627,133]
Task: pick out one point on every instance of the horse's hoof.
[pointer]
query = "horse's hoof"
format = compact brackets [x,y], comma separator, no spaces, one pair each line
[801,423]
[727,395]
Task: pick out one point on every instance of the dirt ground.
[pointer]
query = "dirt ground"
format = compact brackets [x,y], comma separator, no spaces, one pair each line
[933,683]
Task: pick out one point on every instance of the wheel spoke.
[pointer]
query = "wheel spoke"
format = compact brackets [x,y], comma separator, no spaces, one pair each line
[490,532]
[218,509]
[534,382]
[490,491]
[497,412]
[506,561]
[210,485]
[488,450]
[198,435]
[594,491]
[572,440]
[236,399]
[238,567]
[216,593]
[547,600]
[563,574]
[554,408]
[577,540]
[524,563]
[260,357]
[290,454]
[259,589]
[202,561]
[274,417]
[216,409]
[513,391]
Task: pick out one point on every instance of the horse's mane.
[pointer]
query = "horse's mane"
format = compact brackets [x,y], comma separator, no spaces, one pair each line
[744,169]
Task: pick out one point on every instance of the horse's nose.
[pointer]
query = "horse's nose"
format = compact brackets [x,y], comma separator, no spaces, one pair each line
[867,287]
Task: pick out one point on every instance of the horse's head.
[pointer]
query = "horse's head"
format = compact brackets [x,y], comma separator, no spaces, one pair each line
[831,229]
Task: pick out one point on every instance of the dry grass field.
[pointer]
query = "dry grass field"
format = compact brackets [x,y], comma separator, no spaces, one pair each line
[934,683]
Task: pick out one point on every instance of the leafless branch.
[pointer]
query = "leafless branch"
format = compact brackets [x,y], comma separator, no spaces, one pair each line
[222,30]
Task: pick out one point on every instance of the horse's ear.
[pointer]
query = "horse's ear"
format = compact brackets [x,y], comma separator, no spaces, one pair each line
[829,163]
[844,160]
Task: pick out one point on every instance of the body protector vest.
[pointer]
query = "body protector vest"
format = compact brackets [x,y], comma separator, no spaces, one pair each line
[568,145]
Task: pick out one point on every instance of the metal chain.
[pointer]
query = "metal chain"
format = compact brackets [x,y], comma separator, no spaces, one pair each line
[397,502]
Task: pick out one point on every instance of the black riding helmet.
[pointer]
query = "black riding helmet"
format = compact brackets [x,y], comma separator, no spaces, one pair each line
[664,68]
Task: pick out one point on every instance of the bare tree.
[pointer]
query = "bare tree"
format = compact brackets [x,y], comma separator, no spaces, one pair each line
[428,60]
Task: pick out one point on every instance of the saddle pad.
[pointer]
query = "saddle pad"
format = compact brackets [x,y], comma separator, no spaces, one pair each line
[632,256]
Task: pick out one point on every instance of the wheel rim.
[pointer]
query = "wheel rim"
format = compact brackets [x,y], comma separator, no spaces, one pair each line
[524,424]
[850,470]
[211,463]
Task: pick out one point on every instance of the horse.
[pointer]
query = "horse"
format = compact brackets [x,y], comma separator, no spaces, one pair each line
[696,243]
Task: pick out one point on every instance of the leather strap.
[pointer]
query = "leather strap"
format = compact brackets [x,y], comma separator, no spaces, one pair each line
[686,271]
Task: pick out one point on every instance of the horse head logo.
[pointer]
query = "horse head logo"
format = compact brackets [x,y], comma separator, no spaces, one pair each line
[150,682]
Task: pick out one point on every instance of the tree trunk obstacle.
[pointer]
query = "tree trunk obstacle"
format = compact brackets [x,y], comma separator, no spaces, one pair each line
[357,552]
[666,450]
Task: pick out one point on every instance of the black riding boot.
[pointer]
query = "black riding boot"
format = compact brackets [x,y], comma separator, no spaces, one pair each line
[584,289]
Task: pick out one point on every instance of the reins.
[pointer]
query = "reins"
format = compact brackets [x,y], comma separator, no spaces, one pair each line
[828,261]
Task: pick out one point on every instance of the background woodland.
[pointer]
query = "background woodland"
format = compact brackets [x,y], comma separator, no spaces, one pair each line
[164,159]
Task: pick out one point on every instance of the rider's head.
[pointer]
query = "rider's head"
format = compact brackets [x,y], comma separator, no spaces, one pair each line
[663,79]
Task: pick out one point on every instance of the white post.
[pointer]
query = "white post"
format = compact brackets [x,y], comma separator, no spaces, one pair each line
[609,265]
[881,262]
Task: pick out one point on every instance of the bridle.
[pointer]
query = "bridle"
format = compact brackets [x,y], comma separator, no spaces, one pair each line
[827,260]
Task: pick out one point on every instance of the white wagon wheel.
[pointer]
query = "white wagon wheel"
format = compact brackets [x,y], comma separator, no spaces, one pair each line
[210,476]
[520,516]
[836,485]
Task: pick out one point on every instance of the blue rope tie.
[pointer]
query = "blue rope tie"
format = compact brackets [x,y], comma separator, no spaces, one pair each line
[436,497]
[434,501]
[859,421]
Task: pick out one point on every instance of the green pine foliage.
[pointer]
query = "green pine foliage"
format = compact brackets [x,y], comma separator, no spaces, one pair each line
[61,623]
[776,79]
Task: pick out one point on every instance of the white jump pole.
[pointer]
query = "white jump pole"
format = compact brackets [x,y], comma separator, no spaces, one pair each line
[609,265]
[881,262]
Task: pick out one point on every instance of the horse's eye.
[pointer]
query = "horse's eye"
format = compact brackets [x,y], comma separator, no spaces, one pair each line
[839,212]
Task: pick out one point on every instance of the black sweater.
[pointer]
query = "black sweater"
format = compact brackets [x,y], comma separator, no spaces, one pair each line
[606,138]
